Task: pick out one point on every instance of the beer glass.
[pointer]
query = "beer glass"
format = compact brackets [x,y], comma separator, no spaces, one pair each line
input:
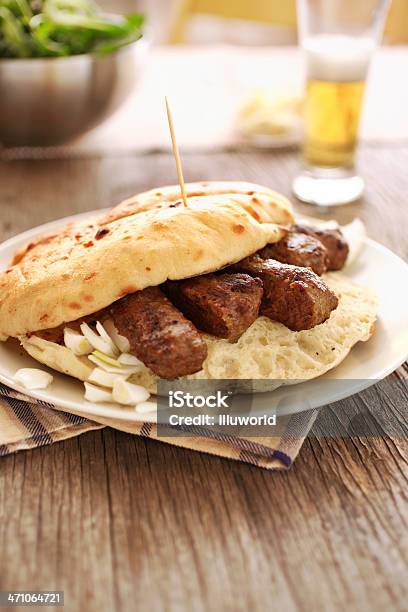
[338,38]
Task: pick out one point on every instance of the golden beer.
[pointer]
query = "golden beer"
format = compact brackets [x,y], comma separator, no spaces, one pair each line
[332,116]
[338,38]
[337,68]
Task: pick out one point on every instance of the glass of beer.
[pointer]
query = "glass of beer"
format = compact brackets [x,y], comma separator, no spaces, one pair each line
[338,38]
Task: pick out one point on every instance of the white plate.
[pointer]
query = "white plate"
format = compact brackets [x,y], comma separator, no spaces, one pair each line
[368,362]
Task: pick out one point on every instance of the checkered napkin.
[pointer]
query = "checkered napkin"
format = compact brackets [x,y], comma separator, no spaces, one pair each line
[26,423]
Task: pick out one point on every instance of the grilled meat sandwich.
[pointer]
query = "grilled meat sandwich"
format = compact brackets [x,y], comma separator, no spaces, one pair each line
[179,285]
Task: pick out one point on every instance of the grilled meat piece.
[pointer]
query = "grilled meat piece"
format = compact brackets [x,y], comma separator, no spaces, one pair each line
[298,249]
[158,334]
[224,305]
[333,240]
[294,296]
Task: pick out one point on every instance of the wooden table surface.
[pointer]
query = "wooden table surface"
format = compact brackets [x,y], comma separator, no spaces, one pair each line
[123,523]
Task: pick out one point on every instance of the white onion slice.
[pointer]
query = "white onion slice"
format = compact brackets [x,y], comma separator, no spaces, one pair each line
[113,369]
[146,407]
[128,359]
[100,344]
[32,378]
[76,342]
[105,379]
[129,394]
[355,234]
[121,342]
[96,394]
[103,333]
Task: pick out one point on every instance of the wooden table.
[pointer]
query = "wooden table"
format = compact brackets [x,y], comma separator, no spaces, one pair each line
[121,523]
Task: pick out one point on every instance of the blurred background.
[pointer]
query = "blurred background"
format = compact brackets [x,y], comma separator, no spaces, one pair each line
[232,69]
[258,22]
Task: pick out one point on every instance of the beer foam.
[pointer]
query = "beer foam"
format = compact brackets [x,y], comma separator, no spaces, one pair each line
[333,57]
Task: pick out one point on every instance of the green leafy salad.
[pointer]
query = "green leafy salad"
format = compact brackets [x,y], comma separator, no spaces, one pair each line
[56,28]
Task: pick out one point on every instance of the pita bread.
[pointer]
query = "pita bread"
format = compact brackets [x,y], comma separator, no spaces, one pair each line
[144,241]
[267,352]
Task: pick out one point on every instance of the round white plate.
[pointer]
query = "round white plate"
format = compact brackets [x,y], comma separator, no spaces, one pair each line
[368,362]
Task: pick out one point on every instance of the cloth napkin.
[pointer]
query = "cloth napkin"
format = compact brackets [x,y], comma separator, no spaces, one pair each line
[26,423]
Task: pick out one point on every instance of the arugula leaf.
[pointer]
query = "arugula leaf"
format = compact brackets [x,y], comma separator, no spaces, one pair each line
[53,28]
[15,40]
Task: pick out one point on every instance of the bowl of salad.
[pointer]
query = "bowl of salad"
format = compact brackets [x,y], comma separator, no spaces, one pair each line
[64,67]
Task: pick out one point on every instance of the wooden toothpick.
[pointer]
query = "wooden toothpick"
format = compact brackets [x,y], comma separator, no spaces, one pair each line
[176,155]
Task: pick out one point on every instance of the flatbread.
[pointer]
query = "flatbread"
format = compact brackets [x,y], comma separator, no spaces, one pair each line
[142,242]
[268,351]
